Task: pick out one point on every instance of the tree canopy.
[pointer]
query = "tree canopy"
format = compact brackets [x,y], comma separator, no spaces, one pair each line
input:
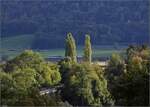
[23,73]
[87,85]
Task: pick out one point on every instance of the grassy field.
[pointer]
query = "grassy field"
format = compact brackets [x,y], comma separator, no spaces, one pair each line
[12,46]
[96,52]
[61,52]
[17,42]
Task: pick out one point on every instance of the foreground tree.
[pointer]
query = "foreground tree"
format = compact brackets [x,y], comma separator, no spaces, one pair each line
[71,48]
[18,89]
[45,73]
[87,86]
[87,49]
[24,74]
[131,86]
[116,66]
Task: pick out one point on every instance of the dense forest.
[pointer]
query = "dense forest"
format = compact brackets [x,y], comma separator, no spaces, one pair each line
[123,82]
[108,22]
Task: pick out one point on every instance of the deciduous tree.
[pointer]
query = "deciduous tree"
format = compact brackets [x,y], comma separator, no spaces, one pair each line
[87,49]
[71,48]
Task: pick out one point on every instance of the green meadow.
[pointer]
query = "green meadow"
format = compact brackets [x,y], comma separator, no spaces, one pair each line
[12,46]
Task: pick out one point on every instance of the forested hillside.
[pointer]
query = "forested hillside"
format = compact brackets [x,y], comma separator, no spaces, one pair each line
[108,22]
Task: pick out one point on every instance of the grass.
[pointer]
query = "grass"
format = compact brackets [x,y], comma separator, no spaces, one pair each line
[17,42]
[96,52]
[61,52]
[12,46]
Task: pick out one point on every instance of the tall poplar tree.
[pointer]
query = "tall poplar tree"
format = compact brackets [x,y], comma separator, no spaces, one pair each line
[71,48]
[87,49]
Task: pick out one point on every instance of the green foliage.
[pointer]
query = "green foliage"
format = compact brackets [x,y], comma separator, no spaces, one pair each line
[7,89]
[15,86]
[35,99]
[142,51]
[116,66]
[131,87]
[24,79]
[64,69]
[13,94]
[21,75]
[115,60]
[50,74]
[87,85]
[24,21]
[84,83]
[27,59]
[44,73]
[17,89]
[88,49]
[71,48]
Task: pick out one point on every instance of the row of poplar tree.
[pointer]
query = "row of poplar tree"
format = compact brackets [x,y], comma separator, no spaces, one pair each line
[71,52]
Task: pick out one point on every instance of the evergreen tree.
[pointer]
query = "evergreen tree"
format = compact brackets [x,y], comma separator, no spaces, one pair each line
[87,49]
[71,48]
